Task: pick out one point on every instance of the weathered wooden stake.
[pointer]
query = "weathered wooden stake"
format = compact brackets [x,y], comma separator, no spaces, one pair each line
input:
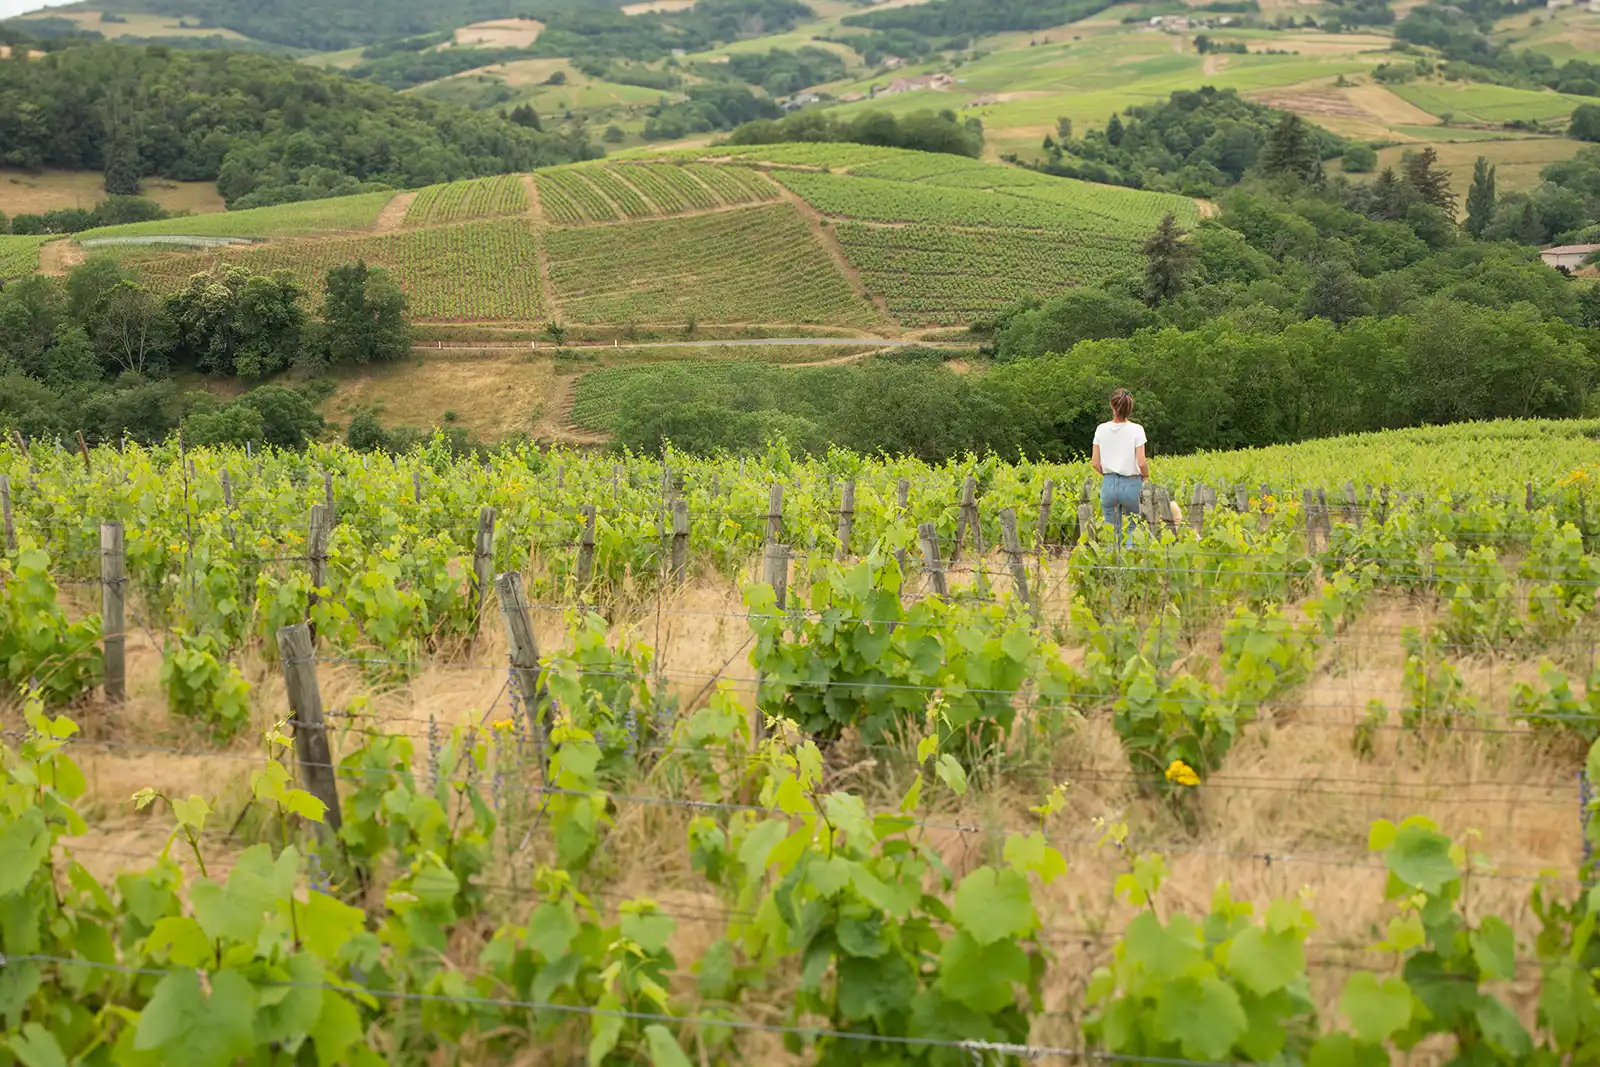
[1047,500]
[1085,518]
[1163,508]
[1308,513]
[775,571]
[1204,497]
[928,534]
[482,564]
[524,656]
[6,518]
[902,494]
[1013,549]
[317,555]
[680,539]
[113,625]
[774,512]
[327,499]
[227,489]
[310,728]
[1241,499]
[586,548]
[847,518]
[968,520]
[1352,505]
[83,448]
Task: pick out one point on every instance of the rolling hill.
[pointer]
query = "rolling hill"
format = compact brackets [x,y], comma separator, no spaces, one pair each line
[831,235]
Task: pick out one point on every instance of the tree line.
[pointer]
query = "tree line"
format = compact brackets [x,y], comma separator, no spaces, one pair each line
[267,130]
[97,351]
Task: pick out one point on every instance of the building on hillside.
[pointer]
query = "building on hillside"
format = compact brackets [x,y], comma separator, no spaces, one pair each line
[1172,23]
[800,100]
[1568,257]
[1556,5]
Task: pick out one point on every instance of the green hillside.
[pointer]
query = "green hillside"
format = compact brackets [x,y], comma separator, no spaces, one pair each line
[884,239]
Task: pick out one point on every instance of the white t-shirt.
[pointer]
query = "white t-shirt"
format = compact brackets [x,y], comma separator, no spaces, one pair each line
[1119,443]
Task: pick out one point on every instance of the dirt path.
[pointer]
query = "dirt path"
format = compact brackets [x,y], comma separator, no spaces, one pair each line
[535,205]
[1207,209]
[1213,65]
[813,219]
[393,214]
[58,257]
[556,422]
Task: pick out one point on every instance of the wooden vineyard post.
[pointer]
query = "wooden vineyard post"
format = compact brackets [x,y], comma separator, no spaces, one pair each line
[775,572]
[1085,518]
[327,499]
[1147,505]
[524,651]
[774,512]
[227,490]
[586,549]
[1308,513]
[1241,499]
[1013,549]
[928,534]
[113,625]
[1352,508]
[7,520]
[310,729]
[968,522]
[1204,497]
[1163,508]
[1324,517]
[416,487]
[1047,500]
[482,564]
[847,518]
[902,494]
[680,539]
[83,449]
[317,556]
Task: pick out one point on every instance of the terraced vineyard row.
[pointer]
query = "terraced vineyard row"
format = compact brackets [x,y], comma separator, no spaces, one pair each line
[19,255]
[342,214]
[477,199]
[938,276]
[570,196]
[474,272]
[756,265]
[735,185]
[671,189]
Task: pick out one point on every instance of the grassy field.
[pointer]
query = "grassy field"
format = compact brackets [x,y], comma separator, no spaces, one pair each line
[759,265]
[1489,104]
[490,394]
[1517,162]
[134,24]
[32,192]
[338,215]
[1563,35]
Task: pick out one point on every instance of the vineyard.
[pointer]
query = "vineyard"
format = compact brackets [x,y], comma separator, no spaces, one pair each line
[477,199]
[759,264]
[827,762]
[343,214]
[472,272]
[570,196]
[19,256]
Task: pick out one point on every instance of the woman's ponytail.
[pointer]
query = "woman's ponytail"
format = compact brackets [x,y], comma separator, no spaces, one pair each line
[1122,404]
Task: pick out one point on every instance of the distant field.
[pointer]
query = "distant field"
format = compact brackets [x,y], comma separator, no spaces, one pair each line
[500,33]
[136,25]
[475,272]
[1517,163]
[343,213]
[480,198]
[1472,102]
[32,192]
[755,265]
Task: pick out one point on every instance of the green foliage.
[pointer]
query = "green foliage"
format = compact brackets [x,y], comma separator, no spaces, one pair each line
[236,323]
[863,658]
[922,131]
[40,649]
[202,685]
[363,316]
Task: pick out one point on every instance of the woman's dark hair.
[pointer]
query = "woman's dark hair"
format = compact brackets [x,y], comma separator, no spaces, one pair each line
[1122,404]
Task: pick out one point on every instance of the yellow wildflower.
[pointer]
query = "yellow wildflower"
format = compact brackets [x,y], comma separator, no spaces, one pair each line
[1579,477]
[1182,774]
[505,726]
[176,550]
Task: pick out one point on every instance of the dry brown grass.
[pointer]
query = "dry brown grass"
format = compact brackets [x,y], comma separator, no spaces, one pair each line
[492,394]
[136,25]
[500,33]
[1286,815]
[32,192]
[657,7]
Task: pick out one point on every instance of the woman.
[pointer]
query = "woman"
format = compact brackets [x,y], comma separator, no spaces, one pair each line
[1119,460]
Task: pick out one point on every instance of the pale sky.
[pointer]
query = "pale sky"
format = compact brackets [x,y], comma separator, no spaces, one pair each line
[9,8]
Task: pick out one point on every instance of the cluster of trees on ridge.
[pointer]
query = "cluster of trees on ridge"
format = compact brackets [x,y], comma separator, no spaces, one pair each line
[266,129]
[96,351]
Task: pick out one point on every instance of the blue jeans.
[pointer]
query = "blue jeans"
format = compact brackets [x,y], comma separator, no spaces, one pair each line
[1119,496]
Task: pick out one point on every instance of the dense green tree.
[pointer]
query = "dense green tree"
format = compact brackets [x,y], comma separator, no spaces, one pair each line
[1114,130]
[123,168]
[1360,159]
[1061,322]
[1431,186]
[1480,197]
[363,314]
[1585,123]
[233,322]
[1336,294]
[1167,260]
[1291,149]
